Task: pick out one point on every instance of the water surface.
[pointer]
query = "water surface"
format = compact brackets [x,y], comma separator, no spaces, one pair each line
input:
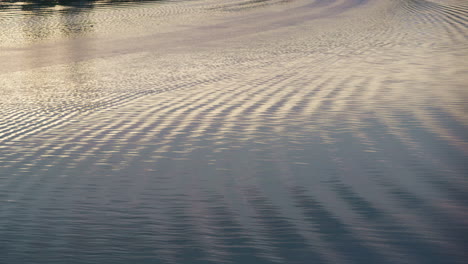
[222,131]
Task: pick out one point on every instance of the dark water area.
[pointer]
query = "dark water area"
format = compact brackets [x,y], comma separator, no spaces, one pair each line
[48,7]
[37,4]
[234,131]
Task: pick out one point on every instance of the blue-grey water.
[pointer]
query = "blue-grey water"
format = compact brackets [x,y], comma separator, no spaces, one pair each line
[234,131]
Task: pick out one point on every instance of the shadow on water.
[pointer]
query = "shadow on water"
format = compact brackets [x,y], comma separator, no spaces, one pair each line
[44,7]
[34,20]
[29,5]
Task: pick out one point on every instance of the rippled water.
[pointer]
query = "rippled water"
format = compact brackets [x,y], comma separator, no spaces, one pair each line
[234,131]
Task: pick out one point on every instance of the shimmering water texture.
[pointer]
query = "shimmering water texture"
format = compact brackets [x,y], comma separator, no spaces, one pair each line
[222,131]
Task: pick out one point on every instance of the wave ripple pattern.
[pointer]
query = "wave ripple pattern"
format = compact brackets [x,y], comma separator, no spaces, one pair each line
[274,131]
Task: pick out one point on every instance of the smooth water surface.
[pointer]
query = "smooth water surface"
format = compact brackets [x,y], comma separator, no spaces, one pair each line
[234,131]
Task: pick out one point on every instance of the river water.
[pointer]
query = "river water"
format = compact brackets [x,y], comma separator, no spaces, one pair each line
[234,131]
